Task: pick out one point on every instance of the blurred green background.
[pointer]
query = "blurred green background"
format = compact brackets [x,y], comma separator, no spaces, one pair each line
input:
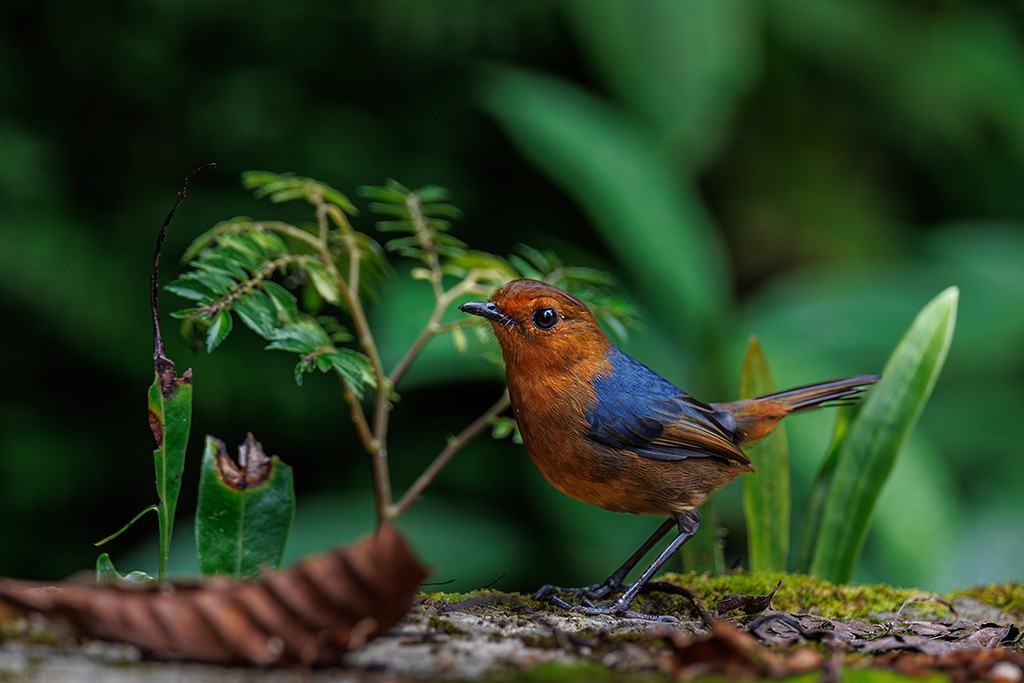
[812,173]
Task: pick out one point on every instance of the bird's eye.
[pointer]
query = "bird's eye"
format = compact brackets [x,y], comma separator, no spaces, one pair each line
[545,318]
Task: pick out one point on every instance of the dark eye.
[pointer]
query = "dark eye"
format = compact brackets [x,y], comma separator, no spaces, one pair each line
[545,318]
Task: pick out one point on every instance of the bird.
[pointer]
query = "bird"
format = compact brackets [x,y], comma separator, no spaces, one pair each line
[605,429]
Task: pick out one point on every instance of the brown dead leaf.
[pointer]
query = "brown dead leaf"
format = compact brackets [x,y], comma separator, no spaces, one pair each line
[1001,665]
[311,613]
[733,653]
[748,604]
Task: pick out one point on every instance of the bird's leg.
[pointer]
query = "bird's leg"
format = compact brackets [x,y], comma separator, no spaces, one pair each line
[613,584]
[688,523]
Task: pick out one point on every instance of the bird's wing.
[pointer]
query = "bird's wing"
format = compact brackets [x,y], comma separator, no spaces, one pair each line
[664,429]
[639,411]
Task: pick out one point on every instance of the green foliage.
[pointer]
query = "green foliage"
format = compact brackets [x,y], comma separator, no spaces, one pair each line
[881,429]
[766,496]
[853,165]
[232,266]
[244,512]
[621,177]
[241,268]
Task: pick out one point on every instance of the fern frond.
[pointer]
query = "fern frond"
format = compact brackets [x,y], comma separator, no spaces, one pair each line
[424,215]
[285,187]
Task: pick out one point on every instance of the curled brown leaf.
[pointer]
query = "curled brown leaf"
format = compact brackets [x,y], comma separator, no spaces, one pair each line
[311,613]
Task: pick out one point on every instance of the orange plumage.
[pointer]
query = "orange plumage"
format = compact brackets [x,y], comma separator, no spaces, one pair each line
[605,429]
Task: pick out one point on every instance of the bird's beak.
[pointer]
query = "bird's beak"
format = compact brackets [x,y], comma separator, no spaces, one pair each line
[484,309]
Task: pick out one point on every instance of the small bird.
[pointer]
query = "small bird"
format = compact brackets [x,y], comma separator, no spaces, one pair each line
[607,430]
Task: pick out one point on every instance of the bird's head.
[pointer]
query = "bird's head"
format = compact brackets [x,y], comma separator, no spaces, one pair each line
[540,326]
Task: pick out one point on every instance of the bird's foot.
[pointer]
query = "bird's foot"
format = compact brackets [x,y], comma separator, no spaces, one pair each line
[596,592]
[618,608]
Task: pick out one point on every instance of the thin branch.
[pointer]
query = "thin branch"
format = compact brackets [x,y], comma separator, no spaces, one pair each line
[358,416]
[453,447]
[376,446]
[433,325]
[428,331]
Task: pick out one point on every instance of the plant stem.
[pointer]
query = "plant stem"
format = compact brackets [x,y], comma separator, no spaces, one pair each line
[454,446]
[433,325]
[375,441]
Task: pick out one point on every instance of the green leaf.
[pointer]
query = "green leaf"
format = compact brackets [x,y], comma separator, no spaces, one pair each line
[660,63]
[391,195]
[819,493]
[170,418]
[354,367]
[245,510]
[877,435]
[766,492]
[644,208]
[389,209]
[502,427]
[219,329]
[107,573]
[323,281]
[258,312]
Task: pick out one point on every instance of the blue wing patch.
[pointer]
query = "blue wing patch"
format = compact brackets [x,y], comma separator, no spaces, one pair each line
[639,411]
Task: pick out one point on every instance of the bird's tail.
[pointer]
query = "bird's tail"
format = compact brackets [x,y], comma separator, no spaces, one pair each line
[756,417]
[822,394]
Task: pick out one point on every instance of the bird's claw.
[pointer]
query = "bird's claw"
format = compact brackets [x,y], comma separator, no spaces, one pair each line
[618,608]
[621,609]
[586,593]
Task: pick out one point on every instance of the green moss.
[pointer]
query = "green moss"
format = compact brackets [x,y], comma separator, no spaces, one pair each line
[439,625]
[446,597]
[1008,596]
[798,593]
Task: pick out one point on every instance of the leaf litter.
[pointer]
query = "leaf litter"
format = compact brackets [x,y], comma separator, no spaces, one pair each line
[492,633]
[312,613]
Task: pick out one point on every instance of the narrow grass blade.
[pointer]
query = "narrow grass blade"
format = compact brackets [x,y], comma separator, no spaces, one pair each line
[245,510]
[877,435]
[819,494]
[766,501]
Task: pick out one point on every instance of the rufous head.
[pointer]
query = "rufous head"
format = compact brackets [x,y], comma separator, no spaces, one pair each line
[540,325]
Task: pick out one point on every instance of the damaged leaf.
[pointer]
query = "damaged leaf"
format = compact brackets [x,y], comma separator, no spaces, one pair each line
[732,653]
[311,613]
[170,404]
[245,510]
[748,604]
[170,417]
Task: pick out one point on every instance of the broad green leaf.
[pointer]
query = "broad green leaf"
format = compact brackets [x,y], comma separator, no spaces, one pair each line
[170,418]
[681,64]
[644,207]
[881,428]
[766,492]
[244,512]
[819,494]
